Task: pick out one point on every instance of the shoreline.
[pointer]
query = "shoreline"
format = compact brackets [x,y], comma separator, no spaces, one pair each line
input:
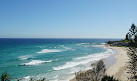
[116,63]
[119,69]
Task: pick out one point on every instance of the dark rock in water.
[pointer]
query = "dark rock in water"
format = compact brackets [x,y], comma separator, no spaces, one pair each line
[94,74]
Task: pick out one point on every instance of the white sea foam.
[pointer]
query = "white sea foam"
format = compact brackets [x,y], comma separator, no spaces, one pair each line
[49,50]
[25,57]
[67,71]
[83,43]
[41,46]
[69,65]
[56,59]
[103,43]
[97,55]
[67,48]
[92,43]
[35,62]
[27,77]
[84,60]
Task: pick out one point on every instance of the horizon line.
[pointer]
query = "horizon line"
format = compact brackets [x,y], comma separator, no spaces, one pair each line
[56,38]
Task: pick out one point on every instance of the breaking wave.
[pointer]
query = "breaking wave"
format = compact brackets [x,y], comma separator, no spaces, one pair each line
[67,48]
[25,57]
[49,51]
[35,62]
[84,60]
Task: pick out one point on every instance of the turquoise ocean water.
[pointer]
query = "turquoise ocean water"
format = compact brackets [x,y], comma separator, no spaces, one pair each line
[53,59]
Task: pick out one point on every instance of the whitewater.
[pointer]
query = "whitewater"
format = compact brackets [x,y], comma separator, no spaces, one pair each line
[53,59]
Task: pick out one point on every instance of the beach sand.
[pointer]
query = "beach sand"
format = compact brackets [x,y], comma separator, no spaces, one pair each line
[119,68]
[116,64]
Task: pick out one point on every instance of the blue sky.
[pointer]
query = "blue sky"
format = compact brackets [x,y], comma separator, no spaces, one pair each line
[66,18]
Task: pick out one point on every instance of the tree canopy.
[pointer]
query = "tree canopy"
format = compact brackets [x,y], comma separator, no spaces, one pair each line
[132,34]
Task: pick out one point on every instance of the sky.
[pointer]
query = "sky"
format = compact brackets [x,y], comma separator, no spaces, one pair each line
[66,18]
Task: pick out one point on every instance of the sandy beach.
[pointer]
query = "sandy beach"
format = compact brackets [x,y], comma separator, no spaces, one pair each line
[118,69]
[116,64]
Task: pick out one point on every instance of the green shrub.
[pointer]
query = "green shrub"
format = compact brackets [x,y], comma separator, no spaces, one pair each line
[108,78]
[5,76]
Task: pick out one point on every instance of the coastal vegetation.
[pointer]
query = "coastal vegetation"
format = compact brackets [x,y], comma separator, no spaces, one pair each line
[5,76]
[130,42]
[108,78]
[121,43]
[132,63]
[98,71]
[94,74]
[132,52]
[130,37]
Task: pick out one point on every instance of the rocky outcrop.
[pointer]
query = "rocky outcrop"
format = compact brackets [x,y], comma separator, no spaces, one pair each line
[94,74]
[118,43]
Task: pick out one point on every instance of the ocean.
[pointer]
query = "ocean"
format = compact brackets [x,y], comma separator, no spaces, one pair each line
[53,59]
